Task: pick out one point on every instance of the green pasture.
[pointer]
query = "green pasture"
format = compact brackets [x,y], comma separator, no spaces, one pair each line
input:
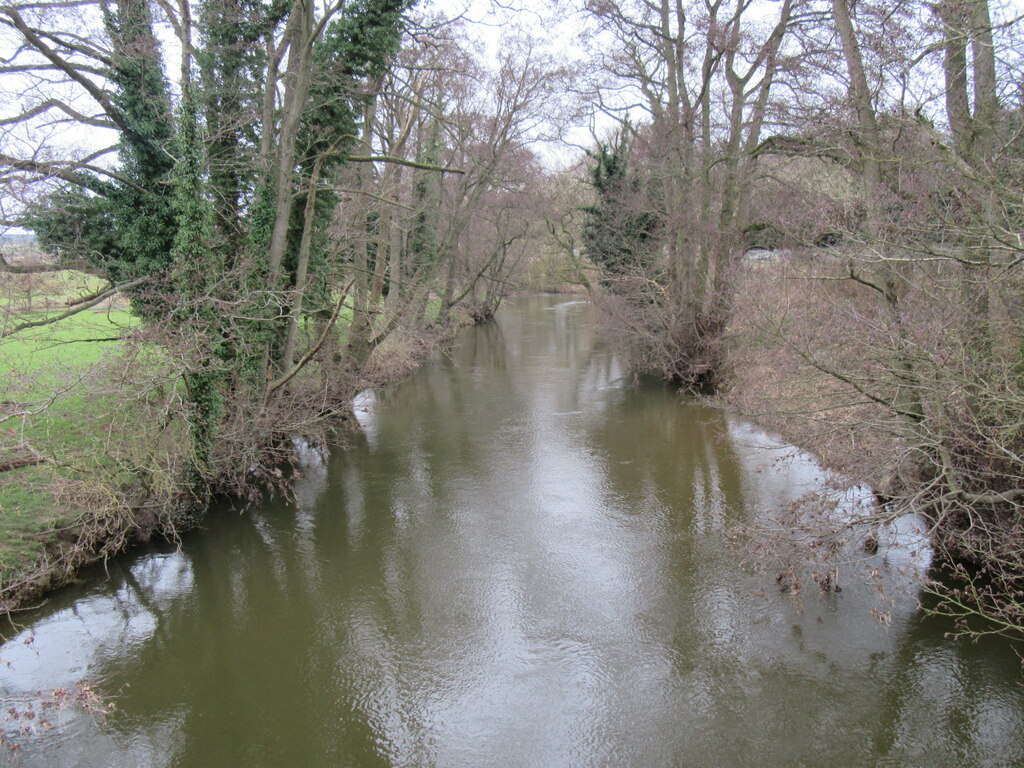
[50,369]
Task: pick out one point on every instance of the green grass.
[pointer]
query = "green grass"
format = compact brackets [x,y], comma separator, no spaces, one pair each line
[73,343]
[53,366]
[56,365]
[433,309]
[28,517]
[88,420]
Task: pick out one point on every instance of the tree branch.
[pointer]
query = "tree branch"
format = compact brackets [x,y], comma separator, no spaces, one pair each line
[57,104]
[70,172]
[90,87]
[402,161]
[791,146]
[276,384]
[80,306]
[23,461]
[374,195]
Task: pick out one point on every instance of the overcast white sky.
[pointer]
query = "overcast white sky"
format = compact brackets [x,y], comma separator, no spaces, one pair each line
[556,24]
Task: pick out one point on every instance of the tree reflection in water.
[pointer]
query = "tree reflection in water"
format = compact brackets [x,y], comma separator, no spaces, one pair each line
[520,562]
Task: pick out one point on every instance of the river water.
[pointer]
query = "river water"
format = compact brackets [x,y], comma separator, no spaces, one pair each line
[521,561]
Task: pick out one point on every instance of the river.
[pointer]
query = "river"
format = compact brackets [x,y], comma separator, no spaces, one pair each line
[521,561]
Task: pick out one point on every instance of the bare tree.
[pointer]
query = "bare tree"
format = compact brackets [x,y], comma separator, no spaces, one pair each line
[702,75]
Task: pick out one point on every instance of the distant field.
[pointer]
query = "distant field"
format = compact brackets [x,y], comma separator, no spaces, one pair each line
[31,292]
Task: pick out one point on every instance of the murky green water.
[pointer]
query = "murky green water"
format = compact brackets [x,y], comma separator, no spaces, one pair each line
[521,562]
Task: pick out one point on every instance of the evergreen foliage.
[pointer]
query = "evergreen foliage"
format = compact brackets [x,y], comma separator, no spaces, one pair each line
[354,51]
[144,214]
[77,224]
[196,273]
[124,228]
[620,229]
[231,61]
[427,189]
[192,203]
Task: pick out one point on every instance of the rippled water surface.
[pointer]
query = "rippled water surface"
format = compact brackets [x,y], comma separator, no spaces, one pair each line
[520,562]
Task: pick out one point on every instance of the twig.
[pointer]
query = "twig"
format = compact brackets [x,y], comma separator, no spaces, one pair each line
[285,378]
[87,303]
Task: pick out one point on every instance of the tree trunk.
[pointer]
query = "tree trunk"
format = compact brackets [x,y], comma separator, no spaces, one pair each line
[360,329]
[297,81]
[907,402]
[301,270]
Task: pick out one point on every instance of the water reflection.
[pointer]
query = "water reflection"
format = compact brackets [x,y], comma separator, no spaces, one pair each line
[520,563]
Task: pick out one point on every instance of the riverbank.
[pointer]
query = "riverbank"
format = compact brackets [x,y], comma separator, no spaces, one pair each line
[520,560]
[792,325]
[905,405]
[93,435]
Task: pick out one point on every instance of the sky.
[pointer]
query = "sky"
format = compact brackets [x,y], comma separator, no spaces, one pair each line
[556,25]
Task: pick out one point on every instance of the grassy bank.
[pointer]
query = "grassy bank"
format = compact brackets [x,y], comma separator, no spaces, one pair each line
[52,411]
[93,429]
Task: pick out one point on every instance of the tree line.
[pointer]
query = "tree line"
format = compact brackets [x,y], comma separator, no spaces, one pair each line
[878,147]
[280,188]
[257,174]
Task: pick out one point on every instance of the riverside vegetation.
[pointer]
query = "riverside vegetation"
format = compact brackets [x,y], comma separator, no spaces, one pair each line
[872,153]
[303,207]
[93,401]
[288,201]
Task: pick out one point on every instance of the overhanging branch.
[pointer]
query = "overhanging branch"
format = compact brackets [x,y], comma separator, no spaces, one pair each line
[403,161]
[79,306]
[279,382]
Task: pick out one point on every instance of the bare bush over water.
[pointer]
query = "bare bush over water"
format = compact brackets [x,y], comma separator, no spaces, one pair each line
[811,353]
